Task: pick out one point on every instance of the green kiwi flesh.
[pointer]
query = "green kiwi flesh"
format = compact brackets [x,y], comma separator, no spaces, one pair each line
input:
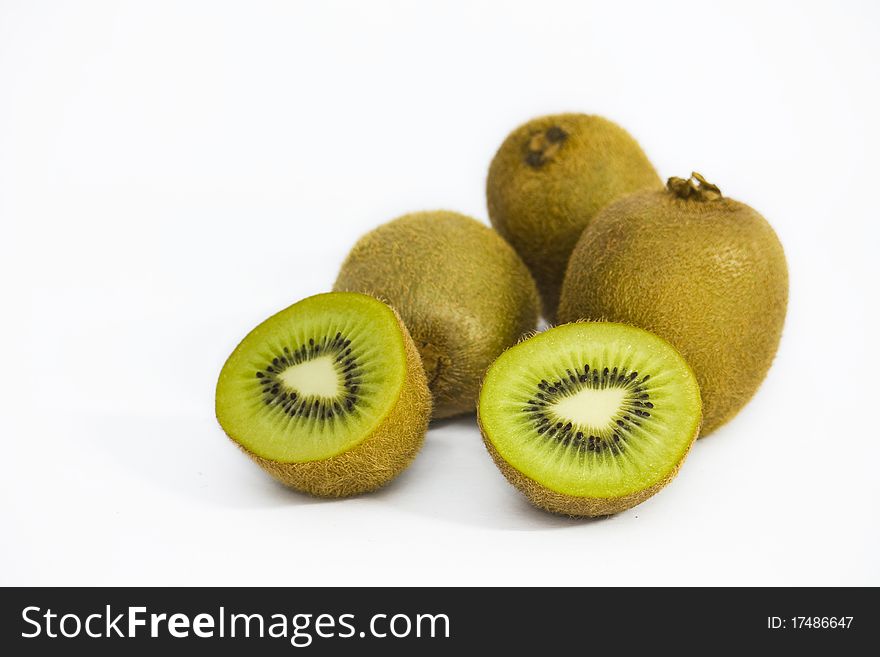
[328,395]
[589,418]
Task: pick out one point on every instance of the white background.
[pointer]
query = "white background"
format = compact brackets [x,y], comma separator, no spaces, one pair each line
[171,173]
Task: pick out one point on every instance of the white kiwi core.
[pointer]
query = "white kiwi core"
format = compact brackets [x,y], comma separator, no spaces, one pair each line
[313,378]
[590,408]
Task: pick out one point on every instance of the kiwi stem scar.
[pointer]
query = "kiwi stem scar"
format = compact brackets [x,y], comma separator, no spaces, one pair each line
[696,188]
[434,362]
[543,146]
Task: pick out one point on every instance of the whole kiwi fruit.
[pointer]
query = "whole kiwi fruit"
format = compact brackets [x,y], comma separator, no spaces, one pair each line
[590,418]
[705,272]
[328,396]
[549,179]
[462,292]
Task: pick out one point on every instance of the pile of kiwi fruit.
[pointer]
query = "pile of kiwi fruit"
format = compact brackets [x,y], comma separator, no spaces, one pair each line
[665,306]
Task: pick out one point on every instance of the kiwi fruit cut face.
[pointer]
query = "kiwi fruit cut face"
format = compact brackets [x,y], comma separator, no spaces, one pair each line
[589,418]
[549,179]
[329,395]
[705,272]
[460,288]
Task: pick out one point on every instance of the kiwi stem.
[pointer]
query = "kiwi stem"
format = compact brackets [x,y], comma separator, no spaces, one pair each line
[695,188]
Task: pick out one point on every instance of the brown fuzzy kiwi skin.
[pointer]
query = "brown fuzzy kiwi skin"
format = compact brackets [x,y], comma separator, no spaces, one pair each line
[548,180]
[706,273]
[572,505]
[462,291]
[380,457]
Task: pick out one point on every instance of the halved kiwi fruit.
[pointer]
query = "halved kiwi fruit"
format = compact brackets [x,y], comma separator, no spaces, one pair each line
[329,395]
[590,418]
